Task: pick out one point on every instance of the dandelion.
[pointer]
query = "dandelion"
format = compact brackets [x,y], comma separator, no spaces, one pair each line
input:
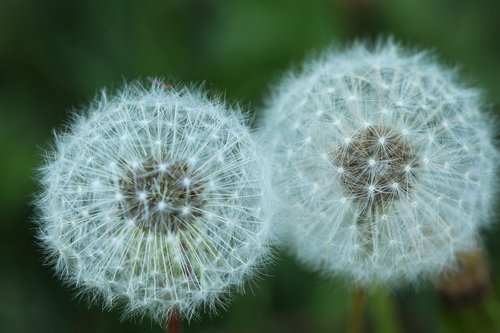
[384,164]
[152,201]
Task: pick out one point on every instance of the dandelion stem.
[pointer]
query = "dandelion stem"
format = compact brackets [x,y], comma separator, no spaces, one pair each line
[174,323]
[356,323]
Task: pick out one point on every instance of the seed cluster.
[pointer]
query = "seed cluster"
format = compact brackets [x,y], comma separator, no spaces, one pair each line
[152,202]
[161,198]
[384,165]
[377,164]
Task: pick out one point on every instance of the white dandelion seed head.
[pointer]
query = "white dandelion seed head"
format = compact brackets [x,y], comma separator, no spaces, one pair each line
[383,162]
[152,201]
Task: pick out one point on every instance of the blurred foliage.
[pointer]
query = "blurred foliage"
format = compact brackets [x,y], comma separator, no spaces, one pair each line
[55,54]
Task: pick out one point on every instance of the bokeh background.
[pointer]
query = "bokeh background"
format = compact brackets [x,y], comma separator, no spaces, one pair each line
[56,54]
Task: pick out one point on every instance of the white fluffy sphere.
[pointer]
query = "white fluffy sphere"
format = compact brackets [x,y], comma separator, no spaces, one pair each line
[383,163]
[152,201]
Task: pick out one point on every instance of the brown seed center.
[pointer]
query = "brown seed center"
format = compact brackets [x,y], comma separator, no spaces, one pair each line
[376,165]
[161,197]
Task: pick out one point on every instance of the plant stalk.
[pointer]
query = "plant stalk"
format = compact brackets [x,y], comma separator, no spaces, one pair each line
[174,323]
[356,323]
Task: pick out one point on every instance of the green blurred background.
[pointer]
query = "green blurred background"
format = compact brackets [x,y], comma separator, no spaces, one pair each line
[55,55]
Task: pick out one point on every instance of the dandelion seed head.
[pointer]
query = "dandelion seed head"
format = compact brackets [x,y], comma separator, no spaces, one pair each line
[409,175]
[158,215]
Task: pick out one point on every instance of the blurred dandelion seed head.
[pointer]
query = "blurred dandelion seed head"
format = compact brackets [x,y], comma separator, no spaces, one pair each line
[384,164]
